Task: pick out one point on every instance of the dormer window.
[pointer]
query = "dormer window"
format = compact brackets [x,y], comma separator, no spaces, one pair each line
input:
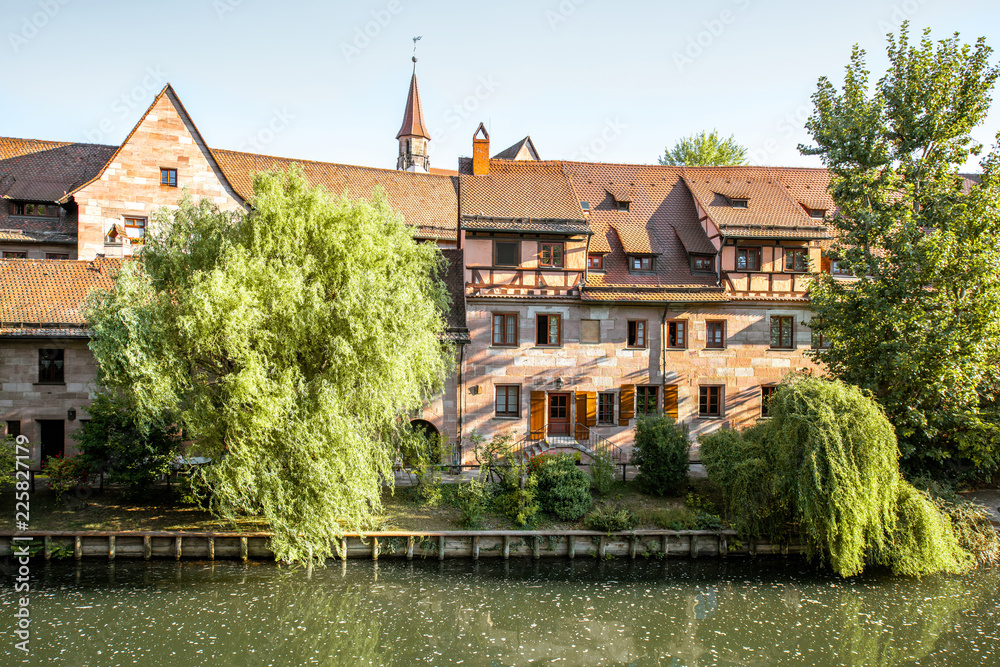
[621,205]
[585,205]
[703,263]
[748,259]
[640,263]
[595,262]
[36,210]
[817,213]
[739,203]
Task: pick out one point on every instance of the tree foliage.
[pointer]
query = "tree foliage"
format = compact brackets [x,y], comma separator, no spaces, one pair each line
[918,326]
[705,149]
[661,453]
[563,488]
[290,342]
[131,453]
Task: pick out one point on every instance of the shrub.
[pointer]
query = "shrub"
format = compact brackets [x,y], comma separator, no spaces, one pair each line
[602,473]
[611,519]
[670,518]
[516,501]
[65,473]
[514,490]
[471,499]
[8,462]
[563,489]
[661,454]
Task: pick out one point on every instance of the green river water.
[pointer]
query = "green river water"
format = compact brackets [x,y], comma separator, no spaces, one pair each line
[456,612]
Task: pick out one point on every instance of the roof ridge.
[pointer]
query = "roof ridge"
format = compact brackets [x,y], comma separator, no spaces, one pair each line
[332,164]
[56,141]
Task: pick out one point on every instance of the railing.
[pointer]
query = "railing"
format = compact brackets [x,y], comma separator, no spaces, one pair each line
[580,437]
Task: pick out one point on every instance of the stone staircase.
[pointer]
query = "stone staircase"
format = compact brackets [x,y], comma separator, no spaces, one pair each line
[592,445]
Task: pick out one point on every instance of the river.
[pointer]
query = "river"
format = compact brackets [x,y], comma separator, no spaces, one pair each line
[491,613]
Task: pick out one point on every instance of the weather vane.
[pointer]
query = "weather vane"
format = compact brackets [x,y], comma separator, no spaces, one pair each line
[415,40]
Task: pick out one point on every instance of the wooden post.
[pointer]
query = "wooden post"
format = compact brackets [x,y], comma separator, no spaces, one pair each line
[723,545]
[571,547]
[147,547]
[47,549]
[178,547]
[753,547]
[211,548]
[409,547]
[665,548]
[536,547]
[693,541]
[374,548]
[441,547]
[631,546]
[77,547]
[343,549]
[506,547]
[475,547]
[244,549]
[111,547]
[601,546]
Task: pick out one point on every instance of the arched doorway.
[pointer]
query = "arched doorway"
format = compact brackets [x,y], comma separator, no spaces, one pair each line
[430,435]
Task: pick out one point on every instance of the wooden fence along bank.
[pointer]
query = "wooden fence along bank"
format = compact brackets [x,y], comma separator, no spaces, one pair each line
[407,545]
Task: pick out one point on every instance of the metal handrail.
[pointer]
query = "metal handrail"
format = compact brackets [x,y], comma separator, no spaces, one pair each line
[536,442]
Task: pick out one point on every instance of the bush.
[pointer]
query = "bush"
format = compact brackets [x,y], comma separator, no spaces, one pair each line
[661,454]
[602,473]
[563,489]
[611,519]
[8,462]
[516,501]
[65,473]
[471,499]
[514,490]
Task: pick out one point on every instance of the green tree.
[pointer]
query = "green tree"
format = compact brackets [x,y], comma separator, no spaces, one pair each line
[706,149]
[290,342]
[131,453]
[918,327]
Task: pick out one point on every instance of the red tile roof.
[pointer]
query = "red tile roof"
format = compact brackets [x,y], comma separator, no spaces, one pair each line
[50,292]
[413,116]
[520,189]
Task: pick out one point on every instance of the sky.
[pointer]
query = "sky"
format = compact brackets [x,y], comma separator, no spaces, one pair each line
[587,79]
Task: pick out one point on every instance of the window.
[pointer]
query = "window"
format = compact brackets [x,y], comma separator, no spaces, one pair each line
[13,428]
[551,254]
[504,329]
[739,203]
[585,205]
[817,213]
[15,255]
[606,408]
[715,334]
[50,366]
[818,343]
[621,205]
[645,401]
[710,401]
[508,401]
[704,263]
[796,259]
[781,332]
[641,263]
[748,259]
[595,262]
[36,210]
[56,255]
[839,268]
[506,253]
[590,331]
[549,330]
[766,393]
[637,333]
[135,223]
[677,334]
[168,177]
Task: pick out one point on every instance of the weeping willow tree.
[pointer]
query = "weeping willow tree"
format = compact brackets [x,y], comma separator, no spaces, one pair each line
[828,461]
[290,342]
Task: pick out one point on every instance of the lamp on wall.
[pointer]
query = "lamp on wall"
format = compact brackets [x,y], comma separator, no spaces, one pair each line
[71,414]
[559,383]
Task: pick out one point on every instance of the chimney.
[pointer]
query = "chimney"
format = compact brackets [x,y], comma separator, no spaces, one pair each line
[481,152]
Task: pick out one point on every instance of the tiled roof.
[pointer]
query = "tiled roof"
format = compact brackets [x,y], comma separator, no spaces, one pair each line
[520,189]
[660,204]
[656,296]
[32,236]
[46,332]
[428,201]
[694,239]
[525,225]
[512,152]
[49,292]
[413,117]
[772,211]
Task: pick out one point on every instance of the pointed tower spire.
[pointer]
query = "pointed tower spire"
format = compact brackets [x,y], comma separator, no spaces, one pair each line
[413,135]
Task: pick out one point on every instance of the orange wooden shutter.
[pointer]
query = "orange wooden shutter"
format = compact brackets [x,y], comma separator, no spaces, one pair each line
[591,408]
[582,432]
[626,404]
[824,263]
[537,414]
[670,401]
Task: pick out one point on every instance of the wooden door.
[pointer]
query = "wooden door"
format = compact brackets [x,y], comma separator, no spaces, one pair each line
[558,414]
[52,437]
[670,401]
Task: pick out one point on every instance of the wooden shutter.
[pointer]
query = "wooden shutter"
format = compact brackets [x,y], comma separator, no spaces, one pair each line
[824,263]
[537,414]
[591,408]
[670,401]
[582,432]
[626,404]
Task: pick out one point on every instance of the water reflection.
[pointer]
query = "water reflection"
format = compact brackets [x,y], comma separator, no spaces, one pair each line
[582,612]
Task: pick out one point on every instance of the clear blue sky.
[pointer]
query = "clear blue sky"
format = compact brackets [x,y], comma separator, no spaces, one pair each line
[612,81]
